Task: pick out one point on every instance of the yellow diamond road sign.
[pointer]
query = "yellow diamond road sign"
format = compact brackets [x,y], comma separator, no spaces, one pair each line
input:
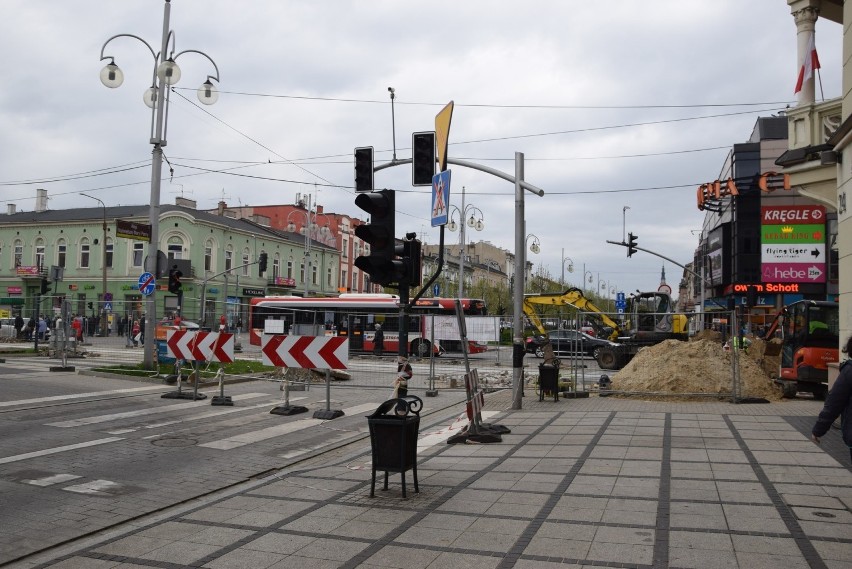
[442,133]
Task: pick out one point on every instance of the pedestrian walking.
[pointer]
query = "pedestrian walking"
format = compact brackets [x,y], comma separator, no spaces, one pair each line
[142,330]
[222,323]
[838,404]
[42,327]
[378,341]
[19,325]
[403,375]
[135,333]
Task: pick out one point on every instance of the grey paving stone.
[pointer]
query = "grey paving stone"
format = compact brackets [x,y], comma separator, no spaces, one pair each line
[621,553]
[181,552]
[397,557]
[277,542]
[782,546]
[769,561]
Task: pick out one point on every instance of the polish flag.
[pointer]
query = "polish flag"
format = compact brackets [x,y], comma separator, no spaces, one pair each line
[806,71]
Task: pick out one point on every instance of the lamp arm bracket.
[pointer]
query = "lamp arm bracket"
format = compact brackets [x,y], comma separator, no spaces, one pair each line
[154,54]
[216,67]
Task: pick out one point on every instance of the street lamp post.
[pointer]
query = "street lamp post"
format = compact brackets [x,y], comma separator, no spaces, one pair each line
[587,277]
[473,221]
[103,269]
[570,266]
[166,73]
[535,248]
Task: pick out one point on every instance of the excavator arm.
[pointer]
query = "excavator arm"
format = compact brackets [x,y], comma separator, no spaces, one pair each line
[573,297]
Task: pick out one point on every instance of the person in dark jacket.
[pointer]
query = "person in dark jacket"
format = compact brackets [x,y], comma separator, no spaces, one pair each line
[838,403]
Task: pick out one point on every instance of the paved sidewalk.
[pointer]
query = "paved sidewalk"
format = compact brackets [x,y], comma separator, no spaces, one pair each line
[598,482]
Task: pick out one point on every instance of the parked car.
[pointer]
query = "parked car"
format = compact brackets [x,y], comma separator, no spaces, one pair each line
[7,328]
[567,343]
[166,324]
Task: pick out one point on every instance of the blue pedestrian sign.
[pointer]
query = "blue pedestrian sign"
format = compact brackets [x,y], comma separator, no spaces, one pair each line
[436,289]
[441,198]
[147,283]
[108,306]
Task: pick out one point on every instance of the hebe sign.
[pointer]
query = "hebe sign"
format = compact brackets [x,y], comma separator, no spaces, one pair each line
[793,243]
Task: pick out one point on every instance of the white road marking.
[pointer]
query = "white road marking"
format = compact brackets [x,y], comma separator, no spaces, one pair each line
[93,487]
[51,480]
[142,412]
[206,415]
[78,395]
[38,453]
[278,430]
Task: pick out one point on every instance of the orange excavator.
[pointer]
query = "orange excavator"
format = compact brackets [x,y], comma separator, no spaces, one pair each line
[809,332]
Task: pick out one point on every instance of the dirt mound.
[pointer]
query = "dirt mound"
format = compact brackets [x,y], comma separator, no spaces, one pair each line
[712,335]
[697,367]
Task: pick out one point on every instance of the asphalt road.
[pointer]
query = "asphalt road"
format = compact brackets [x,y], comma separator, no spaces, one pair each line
[80,453]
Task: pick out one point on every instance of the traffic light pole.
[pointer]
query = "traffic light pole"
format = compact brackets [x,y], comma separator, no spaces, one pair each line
[204,288]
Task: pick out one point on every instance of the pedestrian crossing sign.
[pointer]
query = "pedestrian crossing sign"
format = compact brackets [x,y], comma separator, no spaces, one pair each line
[441,198]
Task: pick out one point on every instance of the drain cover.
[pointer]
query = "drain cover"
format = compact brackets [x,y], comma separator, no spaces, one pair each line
[174,442]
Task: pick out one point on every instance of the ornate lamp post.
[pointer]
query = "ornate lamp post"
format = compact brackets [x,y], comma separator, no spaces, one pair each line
[570,266]
[474,221]
[535,248]
[103,269]
[165,74]
[310,229]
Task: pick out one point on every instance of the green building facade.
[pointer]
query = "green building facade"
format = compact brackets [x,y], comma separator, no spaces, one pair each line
[211,249]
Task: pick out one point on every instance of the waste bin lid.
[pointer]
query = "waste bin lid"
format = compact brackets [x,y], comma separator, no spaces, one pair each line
[400,407]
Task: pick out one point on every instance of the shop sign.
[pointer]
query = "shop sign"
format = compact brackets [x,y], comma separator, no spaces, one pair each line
[714,191]
[793,244]
[132,230]
[285,281]
[72,287]
[27,270]
[253,291]
[14,290]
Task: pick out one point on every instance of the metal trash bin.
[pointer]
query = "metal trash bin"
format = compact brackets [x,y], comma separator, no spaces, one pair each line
[394,427]
[548,381]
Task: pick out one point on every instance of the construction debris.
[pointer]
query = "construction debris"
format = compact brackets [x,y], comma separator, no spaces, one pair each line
[695,368]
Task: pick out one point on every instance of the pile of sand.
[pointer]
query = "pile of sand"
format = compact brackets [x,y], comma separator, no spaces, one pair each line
[700,366]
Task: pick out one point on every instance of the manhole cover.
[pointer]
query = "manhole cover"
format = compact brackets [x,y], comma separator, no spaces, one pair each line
[174,442]
[824,515]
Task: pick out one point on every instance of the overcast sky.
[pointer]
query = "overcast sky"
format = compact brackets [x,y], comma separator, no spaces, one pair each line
[613,103]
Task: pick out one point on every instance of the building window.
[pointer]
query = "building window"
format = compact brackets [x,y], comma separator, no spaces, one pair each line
[314,274]
[39,254]
[302,276]
[276,267]
[290,269]
[109,251]
[19,254]
[229,259]
[345,248]
[84,253]
[138,254]
[246,258]
[328,278]
[343,276]
[61,252]
[208,256]
[174,248]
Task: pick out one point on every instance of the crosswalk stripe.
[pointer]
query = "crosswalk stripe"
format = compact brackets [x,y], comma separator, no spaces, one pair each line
[79,395]
[51,480]
[93,487]
[142,412]
[35,454]
[278,430]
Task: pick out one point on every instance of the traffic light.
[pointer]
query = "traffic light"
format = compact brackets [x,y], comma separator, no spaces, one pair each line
[413,261]
[44,286]
[422,158]
[174,280]
[631,244]
[261,263]
[381,264]
[751,296]
[364,169]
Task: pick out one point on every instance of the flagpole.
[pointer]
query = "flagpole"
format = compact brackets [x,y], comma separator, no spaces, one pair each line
[819,76]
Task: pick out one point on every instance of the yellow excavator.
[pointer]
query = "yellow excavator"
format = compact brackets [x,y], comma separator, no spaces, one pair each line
[647,320]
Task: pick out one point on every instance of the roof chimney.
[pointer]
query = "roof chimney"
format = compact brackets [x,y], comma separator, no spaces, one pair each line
[41,200]
[10,209]
[221,209]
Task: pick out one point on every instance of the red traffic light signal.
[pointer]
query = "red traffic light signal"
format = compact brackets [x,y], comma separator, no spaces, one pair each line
[175,285]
